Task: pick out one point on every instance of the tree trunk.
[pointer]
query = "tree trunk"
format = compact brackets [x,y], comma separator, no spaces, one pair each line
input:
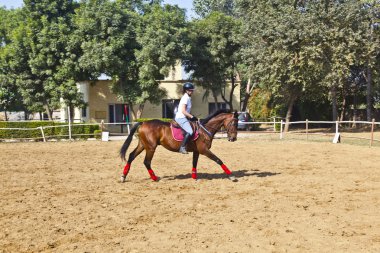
[343,109]
[233,86]
[289,111]
[369,94]
[355,114]
[71,110]
[334,103]
[215,100]
[130,105]
[248,92]
[48,111]
[6,115]
[140,110]
[232,92]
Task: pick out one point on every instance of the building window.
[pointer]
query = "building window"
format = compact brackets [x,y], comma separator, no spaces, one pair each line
[213,107]
[84,112]
[118,113]
[169,108]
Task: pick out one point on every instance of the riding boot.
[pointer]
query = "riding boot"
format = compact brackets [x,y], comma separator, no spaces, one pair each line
[186,138]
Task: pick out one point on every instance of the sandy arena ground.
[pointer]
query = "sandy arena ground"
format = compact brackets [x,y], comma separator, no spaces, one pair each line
[292,196]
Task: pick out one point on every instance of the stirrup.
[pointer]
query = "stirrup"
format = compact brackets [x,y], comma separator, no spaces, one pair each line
[182,150]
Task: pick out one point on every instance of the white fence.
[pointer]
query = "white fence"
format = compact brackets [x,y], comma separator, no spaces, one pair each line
[334,131]
[326,130]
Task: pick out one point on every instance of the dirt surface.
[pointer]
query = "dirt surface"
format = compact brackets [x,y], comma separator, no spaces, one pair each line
[291,197]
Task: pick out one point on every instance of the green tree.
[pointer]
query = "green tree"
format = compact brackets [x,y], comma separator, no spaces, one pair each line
[205,7]
[213,56]
[307,49]
[134,46]
[284,56]
[10,98]
[162,39]
[345,44]
[39,52]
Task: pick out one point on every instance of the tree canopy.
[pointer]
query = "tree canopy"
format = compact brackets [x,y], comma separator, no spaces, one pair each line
[294,53]
[306,49]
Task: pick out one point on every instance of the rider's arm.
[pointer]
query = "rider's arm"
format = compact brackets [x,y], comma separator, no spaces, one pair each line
[183,110]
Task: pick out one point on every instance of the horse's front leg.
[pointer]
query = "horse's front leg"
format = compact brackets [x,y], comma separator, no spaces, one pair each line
[216,159]
[195,162]
[148,161]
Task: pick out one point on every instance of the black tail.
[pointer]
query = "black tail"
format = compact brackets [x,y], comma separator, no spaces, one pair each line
[128,141]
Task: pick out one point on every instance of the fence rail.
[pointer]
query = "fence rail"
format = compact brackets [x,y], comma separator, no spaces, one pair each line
[360,130]
[307,128]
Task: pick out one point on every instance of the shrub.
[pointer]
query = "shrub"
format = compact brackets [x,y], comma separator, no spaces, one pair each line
[98,134]
[259,104]
[31,130]
[146,119]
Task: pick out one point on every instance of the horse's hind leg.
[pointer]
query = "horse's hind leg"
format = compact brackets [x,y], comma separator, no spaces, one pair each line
[148,161]
[131,157]
[216,159]
[195,162]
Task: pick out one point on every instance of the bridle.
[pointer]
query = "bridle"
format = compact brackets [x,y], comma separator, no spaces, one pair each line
[232,123]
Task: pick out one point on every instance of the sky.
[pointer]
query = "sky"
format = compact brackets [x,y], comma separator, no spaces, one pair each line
[186,4]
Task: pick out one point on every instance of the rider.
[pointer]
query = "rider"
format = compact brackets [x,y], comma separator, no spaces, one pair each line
[183,115]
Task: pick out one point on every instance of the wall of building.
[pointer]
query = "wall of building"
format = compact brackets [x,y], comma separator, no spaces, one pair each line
[100,96]
[199,106]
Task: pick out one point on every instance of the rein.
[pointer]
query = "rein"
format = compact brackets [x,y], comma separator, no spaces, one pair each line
[230,124]
[205,129]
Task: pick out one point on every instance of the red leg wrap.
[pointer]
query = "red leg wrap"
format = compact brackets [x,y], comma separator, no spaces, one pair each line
[194,173]
[152,175]
[224,167]
[126,169]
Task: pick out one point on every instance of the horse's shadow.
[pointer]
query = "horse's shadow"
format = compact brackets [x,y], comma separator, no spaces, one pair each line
[237,174]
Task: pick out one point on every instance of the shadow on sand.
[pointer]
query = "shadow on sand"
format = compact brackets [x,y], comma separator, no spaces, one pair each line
[238,174]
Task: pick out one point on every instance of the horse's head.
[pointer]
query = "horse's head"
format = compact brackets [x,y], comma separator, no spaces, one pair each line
[230,123]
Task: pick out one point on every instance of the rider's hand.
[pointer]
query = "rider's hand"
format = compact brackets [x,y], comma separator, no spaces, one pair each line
[194,118]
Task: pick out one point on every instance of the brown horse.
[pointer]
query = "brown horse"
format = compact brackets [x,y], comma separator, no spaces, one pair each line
[155,132]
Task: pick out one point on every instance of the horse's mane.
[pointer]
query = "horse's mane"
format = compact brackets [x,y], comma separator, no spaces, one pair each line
[212,115]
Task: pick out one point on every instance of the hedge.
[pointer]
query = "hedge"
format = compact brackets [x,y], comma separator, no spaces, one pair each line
[76,129]
[146,119]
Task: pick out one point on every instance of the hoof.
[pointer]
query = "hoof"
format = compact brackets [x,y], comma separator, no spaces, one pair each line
[122,179]
[154,178]
[233,179]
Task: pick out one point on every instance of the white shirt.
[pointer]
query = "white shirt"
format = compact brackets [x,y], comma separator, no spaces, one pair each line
[185,100]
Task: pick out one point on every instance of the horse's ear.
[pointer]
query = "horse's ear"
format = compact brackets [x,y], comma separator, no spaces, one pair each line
[236,115]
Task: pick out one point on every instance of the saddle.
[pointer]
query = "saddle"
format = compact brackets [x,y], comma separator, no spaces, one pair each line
[178,132]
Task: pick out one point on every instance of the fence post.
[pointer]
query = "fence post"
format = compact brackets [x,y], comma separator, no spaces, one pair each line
[102,125]
[274,124]
[281,135]
[68,113]
[372,128]
[337,134]
[42,132]
[307,129]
